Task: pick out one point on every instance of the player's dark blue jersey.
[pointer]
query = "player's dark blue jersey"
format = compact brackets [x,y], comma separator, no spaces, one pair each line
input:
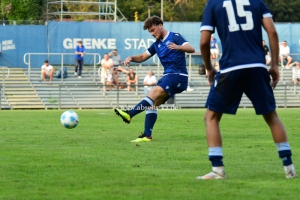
[173,61]
[239,26]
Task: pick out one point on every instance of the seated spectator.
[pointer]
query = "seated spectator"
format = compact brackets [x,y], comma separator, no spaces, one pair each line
[106,71]
[296,73]
[149,82]
[115,78]
[131,80]
[267,53]
[47,71]
[284,52]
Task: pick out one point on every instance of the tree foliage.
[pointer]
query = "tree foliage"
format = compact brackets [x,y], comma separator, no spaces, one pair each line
[173,10]
[284,10]
[23,9]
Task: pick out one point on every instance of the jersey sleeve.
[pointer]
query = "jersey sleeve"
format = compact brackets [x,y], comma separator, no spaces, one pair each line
[208,19]
[265,10]
[151,50]
[178,39]
[77,48]
[83,48]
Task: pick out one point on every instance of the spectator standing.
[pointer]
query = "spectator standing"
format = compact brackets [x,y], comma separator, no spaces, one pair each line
[106,71]
[284,53]
[214,48]
[149,82]
[267,53]
[116,58]
[79,54]
[131,80]
[47,71]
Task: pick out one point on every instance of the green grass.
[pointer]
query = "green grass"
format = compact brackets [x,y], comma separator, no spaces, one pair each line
[39,159]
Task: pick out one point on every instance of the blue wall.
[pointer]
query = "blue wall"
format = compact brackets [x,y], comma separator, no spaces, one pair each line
[100,37]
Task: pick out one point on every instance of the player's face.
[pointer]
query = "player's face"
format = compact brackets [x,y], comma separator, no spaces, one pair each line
[156,31]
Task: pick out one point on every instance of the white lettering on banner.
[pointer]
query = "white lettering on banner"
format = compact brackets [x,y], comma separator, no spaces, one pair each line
[138,43]
[90,43]
[111,43]
[7,45]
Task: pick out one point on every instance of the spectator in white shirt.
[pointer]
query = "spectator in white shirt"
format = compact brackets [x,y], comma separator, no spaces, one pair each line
[149,82]
[284,52]
[106,71]
[47,71]
[296,73]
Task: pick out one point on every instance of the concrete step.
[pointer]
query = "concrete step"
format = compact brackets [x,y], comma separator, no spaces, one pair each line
[29,107]
[20,93]
[22,96]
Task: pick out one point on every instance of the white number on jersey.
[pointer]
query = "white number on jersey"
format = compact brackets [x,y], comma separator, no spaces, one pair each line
[233,26]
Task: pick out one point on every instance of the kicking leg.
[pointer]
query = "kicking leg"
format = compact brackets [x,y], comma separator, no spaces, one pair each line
[159,96]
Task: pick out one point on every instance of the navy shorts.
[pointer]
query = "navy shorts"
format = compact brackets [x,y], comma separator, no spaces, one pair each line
[227,90]
[173,83]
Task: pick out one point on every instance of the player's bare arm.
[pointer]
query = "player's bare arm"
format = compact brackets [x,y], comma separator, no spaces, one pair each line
[268,25]
[185,47]
[137,58]
[205,51]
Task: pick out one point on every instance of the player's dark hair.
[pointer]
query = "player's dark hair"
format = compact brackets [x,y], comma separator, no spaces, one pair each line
[154,20]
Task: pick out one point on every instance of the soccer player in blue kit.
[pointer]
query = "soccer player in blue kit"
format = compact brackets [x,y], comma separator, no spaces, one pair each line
[170,48]
[242,70]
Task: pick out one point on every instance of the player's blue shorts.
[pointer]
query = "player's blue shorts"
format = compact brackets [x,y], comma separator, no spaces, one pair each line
[173,83]
[227,90]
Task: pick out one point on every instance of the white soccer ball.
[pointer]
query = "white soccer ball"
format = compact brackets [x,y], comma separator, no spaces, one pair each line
[69,119]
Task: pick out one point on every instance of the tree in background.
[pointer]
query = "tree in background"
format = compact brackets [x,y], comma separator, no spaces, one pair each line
[23,10]
[284,10]
[174,10]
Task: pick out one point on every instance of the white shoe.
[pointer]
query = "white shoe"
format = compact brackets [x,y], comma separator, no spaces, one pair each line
[75,73]
[189,89]
[79,77]
[217,173]
[290,171]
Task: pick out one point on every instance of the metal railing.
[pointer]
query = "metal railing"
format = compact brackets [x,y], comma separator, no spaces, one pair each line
[28,62]
[120,98]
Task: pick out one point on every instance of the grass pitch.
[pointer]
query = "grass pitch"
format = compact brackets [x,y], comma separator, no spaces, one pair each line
[40,159]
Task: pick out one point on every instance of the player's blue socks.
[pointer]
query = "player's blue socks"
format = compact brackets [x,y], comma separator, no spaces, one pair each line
[216,156]
[151,116]
[140,107]
[285,153]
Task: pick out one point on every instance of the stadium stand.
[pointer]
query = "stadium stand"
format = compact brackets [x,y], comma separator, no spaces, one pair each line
[19,92]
